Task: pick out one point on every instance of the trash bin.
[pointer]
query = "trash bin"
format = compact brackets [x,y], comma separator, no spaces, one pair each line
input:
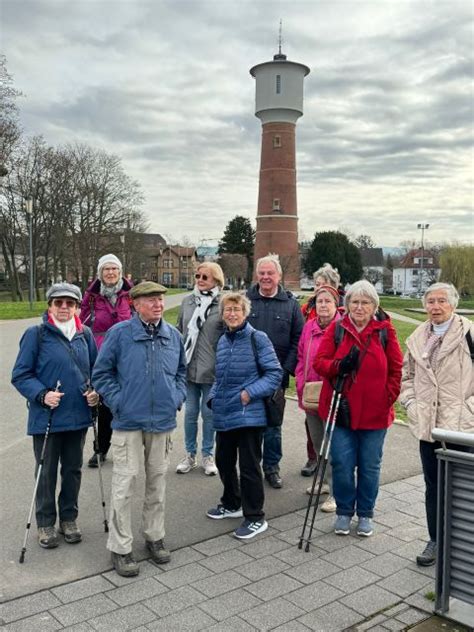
[455,528]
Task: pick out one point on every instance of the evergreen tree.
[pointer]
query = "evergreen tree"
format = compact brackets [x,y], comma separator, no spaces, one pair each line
[335,248]
[239,239]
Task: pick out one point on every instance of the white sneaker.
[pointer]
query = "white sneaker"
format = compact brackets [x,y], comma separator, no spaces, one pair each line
[209,466]
[187,464]
[329,505]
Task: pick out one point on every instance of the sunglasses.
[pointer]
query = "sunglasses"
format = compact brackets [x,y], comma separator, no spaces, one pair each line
[204,277]
[70,303]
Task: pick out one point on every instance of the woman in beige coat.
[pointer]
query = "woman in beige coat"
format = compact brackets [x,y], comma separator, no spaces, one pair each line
[438,388]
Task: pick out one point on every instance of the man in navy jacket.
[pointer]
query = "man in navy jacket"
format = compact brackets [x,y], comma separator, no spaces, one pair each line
[276,312]
[141,374]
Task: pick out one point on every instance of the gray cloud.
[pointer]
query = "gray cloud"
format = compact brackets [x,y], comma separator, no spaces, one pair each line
[385,137]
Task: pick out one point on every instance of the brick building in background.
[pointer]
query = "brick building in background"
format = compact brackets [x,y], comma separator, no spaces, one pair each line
[279,104]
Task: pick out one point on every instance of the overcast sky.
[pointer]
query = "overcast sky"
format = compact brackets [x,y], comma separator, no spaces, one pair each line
[386,137]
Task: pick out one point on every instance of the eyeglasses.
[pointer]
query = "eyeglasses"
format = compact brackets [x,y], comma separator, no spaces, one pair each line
[233,310]
[204,277]
[110,269]
[58,302]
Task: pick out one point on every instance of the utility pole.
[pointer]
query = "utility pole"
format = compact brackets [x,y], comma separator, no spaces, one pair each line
[422,227]
[29,212]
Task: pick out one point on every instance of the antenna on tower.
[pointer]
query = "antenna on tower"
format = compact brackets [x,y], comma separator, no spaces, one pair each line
[280,56]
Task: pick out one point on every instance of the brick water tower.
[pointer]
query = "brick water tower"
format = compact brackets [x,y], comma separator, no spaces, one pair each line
[279,104]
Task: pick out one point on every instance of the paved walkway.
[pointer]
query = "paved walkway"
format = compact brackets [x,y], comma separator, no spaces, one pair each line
[405,319]
[266,584]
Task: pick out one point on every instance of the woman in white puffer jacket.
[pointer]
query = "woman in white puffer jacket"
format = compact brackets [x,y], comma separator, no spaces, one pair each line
[438,388]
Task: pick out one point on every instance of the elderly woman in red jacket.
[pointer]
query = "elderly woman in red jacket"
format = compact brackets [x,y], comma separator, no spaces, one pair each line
[105,303]
[364,349]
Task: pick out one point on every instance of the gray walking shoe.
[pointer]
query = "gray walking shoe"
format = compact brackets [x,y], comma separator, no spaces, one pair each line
[125,565]
[48,537]
[159,554]
[428,557]
[71,532]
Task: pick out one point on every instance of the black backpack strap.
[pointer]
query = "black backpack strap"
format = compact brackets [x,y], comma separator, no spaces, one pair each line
[255,352]
[39,336]
[470,344]
[338,334]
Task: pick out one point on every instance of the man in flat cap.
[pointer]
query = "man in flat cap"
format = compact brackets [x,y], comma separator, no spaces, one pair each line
[141,374]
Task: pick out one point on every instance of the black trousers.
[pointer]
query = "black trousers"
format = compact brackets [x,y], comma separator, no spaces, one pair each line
[246,443]
[104,428]
[430,473]
[65,448]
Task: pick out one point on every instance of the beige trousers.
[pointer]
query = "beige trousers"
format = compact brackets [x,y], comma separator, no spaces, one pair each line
[127,450]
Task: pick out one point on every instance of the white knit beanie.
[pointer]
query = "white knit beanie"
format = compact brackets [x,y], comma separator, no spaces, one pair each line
[108,259]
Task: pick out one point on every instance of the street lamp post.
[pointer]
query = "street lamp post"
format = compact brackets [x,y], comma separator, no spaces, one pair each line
[422,227]
[29,212]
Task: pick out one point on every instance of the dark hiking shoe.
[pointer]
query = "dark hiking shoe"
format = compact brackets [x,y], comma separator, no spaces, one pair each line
[274,480]
[428,557]
[309,468]
[70,531]
[125,565]
[159,554]
[48,537]
[93,460]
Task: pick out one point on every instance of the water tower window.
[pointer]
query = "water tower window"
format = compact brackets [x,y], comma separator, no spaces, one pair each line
[276,204]
[277,141]
[278,84]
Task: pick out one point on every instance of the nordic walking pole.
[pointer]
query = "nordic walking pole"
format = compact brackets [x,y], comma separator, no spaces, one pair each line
[321,465]
[97,453]
[38,474]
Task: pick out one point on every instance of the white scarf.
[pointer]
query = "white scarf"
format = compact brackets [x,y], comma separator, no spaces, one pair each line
[68,328]
[203,304]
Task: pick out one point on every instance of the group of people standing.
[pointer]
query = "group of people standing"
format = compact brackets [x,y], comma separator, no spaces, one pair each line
[113,351]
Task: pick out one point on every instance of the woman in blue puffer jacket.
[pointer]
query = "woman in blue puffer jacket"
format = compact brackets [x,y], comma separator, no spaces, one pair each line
[247,370]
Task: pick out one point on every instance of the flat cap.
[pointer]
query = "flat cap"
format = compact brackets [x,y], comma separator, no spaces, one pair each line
[59,290]
[147,288]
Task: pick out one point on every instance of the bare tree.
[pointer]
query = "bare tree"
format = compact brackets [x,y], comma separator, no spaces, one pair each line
[235,268]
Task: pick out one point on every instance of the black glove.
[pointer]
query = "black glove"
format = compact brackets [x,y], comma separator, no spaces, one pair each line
[349,362]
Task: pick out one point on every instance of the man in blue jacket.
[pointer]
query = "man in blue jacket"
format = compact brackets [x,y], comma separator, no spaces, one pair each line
[276,312]
[141,374]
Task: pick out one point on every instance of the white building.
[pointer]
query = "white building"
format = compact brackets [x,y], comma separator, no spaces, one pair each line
[416,272]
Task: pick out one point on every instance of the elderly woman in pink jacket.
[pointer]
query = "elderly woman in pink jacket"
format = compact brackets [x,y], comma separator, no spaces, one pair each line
[105,303]
[326,303]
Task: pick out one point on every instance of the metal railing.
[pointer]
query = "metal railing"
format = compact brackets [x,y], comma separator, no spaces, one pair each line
[455,526]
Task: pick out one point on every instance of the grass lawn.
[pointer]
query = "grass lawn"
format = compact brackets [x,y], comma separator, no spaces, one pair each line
[10,310]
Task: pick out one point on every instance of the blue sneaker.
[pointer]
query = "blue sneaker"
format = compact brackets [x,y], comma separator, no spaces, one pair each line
[220,512]
[342,526]
[250,529]
[365,527]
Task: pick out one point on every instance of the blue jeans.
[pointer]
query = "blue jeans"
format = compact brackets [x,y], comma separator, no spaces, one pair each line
[361,450]
[196,398]
[272,453]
